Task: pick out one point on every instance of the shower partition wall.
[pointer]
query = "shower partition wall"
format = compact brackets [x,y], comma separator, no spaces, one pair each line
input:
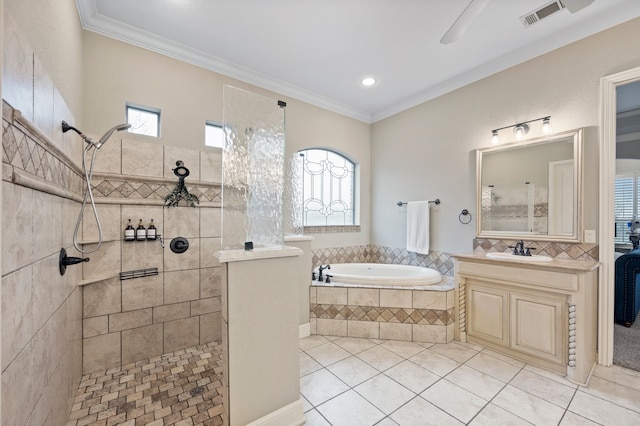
[252,170]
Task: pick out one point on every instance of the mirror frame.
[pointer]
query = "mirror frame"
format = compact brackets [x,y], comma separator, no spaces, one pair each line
[578,226]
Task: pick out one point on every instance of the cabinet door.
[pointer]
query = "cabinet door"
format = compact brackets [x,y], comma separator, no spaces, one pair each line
[538,326]
[488,314]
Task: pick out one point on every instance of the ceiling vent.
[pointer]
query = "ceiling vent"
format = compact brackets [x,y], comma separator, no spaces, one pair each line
[541,13]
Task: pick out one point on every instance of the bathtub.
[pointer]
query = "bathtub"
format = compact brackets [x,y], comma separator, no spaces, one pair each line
[383,301]
[382,275]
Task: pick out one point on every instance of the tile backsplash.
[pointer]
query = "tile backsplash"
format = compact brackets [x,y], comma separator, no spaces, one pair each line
[443,262]
[440,261]
[546,248]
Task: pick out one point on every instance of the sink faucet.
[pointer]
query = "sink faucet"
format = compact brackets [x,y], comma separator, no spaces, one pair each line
[519,249]
[320,269]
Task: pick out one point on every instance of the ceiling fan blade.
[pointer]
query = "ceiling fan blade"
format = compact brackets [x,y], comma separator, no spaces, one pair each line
[464,20]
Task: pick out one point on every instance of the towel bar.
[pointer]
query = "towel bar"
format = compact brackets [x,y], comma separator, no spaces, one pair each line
[436,202]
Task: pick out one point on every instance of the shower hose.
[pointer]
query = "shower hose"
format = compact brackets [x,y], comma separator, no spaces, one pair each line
[88,174]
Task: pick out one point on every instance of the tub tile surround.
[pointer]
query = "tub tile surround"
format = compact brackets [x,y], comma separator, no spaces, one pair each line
[439,261]
[41,310]
[409,314]
[180,307]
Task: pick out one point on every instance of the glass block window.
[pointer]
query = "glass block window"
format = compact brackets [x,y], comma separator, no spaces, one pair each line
[143,120]
[626,207]
[328,188]
[213,135]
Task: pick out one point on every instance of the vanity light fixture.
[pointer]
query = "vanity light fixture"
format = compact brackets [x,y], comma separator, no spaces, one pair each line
[521,129]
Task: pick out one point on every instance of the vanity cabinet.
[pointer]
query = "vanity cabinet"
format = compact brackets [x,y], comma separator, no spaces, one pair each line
[542,313]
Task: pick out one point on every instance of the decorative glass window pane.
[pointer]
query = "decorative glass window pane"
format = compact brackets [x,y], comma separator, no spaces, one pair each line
[143,120]
[328,188]
[213,135]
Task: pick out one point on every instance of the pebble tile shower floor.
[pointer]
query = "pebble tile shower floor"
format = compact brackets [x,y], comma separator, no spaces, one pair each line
[182,388]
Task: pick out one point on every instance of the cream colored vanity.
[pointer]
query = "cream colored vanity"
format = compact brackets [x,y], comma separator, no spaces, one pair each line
[543,313]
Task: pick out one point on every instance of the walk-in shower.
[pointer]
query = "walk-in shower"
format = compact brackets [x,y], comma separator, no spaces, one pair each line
[88,174]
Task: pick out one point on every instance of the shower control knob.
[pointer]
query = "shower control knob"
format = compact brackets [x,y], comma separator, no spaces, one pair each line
[179,245]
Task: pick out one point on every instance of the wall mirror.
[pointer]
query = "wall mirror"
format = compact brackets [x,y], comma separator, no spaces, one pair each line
[531,190]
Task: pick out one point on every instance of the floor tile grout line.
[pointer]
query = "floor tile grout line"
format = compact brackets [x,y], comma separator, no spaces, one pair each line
[607,400]
[490,401]
[575,392]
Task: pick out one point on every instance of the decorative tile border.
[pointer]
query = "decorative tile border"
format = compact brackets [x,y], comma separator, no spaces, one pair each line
[34,160]
[379,254]
[546,248]
[330,229]
[443,262]
[382,314]
[129,188]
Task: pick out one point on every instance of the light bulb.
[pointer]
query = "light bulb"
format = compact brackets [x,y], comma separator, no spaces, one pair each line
[546,126]
[494,138]
[521,130]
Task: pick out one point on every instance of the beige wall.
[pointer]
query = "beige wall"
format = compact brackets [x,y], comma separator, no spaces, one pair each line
[52,29]
[428,151]
[116,73]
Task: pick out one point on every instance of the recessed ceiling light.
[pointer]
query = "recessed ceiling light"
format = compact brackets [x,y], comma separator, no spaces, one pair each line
[368,81]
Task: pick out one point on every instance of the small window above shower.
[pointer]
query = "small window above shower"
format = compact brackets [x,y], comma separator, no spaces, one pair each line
[213,134]
[143,120]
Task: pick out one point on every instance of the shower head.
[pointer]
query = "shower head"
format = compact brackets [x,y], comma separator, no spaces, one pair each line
[107,135]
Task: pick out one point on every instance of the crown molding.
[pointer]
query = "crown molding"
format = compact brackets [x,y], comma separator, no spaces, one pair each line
[92,21]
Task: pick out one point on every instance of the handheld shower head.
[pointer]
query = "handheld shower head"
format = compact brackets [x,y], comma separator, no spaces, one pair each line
[109,132]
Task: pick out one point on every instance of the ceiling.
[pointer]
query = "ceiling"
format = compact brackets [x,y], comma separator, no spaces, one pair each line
[318,51]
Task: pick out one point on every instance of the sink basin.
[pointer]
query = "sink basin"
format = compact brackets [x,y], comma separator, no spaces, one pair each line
[509,256]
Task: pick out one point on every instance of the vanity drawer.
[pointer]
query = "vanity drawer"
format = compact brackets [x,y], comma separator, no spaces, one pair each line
[520,275]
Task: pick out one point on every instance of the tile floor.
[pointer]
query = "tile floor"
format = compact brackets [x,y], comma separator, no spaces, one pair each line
[181,388]
[350,381]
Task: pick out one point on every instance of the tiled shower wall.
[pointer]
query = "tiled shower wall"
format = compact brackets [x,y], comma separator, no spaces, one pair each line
[126,321]
[41,310]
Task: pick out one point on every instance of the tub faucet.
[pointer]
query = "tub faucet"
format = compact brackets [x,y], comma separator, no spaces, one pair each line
[320,269]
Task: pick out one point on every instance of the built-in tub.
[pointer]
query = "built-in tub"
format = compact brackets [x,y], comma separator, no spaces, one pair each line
[382,275]
[383,301]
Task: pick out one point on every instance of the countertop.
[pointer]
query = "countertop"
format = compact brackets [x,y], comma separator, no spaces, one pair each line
[566,265]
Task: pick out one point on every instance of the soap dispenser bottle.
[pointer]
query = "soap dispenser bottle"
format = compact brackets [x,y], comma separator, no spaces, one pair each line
[151,231]
[129,232]
[141,233]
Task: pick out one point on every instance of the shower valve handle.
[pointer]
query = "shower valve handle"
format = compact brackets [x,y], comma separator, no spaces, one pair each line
[73,260]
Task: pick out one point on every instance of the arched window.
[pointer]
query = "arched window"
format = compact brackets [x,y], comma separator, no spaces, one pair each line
[328,188]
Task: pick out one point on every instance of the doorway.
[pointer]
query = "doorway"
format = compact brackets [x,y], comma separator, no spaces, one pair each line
[608,88]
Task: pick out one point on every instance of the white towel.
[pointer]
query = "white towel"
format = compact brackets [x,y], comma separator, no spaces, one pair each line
[418,227]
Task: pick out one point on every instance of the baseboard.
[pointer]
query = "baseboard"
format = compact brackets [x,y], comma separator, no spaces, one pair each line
[304,330]
[289,415]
